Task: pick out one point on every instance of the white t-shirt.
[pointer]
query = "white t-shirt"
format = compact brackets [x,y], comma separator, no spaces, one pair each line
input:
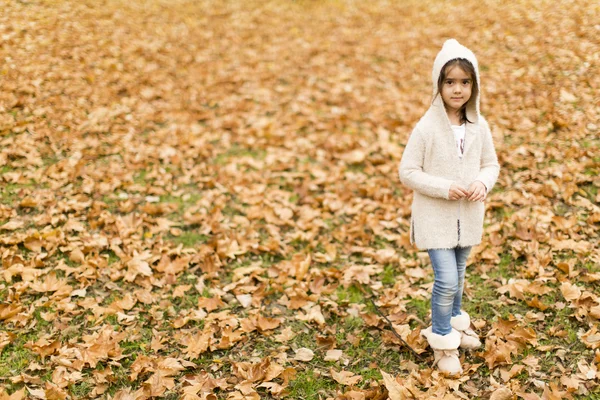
[459,136]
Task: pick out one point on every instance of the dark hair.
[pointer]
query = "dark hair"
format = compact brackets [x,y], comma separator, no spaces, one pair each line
[466,66]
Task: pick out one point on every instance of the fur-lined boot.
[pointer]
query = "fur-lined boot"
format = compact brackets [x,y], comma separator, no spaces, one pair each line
[445,350]
[468,338]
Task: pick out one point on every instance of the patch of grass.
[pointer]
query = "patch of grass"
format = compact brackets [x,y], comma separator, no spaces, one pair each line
[189,239]
[594,395]
[138,346]
[182,201]
[140,177]
[236,151]
[121,378]
[81,389]
[309,385]
[351,294]
[12,192]
[420,307]
[112,257]
[15,358]
[389,274]
[483,303]
[41,323]
[189,301]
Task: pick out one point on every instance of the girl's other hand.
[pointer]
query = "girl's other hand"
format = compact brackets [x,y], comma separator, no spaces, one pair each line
[457,192]
[477,191]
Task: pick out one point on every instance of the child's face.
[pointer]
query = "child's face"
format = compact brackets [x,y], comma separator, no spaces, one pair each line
[456,88]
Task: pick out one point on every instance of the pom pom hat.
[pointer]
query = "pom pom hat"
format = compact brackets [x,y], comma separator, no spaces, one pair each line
[452,50]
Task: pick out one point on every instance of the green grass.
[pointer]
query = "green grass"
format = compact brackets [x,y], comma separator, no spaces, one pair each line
[351,294]
[420,307]
[189,239]
[81,389]
[389,275]
[237,151]
[308,386]
[14,359]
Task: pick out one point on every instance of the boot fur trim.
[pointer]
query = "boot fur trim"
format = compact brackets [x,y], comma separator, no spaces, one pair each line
[450,341]
[461,322]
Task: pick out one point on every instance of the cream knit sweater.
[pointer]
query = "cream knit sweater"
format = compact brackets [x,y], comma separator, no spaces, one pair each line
[430,164]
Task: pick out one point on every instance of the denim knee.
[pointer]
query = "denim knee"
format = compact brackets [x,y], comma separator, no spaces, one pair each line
[446,288]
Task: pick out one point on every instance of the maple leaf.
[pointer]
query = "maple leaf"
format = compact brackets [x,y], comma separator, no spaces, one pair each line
[396,391]
[286,335]
[198,343]
[498,352]
[138,265]
[314,314]
[515,288]
[157,384]
[569,291]
[7,311]
[17,395]
[210,303]
[359,273]
[501,393]
[170,366]
[345,377]
[266,324]
[12,225]
[252,372]
[50,284]
[43,346]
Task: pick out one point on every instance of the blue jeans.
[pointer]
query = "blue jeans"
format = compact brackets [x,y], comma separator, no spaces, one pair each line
[449,268]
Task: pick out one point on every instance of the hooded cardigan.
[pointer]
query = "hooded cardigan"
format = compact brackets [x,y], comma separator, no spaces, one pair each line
[430,164]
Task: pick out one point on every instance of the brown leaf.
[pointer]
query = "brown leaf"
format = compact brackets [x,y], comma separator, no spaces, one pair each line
[267,324]
[333,355]
[77,255]
[304,354]
[50,283]
[570,292]
[536,303]
[53,392]
[514,370]
[502,393]
[395,390]
[345,377]
[286,335]
[252,372]
[43,347]
[12,225]
[9,310]
[210,303]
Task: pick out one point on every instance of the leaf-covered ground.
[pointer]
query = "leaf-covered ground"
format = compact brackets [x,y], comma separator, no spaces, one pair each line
[200,199]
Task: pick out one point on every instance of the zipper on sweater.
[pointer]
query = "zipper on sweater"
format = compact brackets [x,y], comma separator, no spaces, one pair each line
[458,227]
[460,200]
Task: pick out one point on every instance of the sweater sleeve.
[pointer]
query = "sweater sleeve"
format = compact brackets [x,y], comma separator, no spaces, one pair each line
[489,170]
[412,174]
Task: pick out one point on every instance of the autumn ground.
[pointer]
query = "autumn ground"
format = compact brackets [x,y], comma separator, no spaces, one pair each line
[199,199]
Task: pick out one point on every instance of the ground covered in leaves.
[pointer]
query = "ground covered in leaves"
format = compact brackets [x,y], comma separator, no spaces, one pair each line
[200,199]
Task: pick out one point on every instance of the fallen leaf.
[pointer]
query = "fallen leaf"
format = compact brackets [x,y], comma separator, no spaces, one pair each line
[345,377]
[304,354]
[395,390]
[333,355]
[502,393]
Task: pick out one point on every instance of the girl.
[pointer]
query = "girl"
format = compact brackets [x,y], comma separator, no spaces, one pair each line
[451,165]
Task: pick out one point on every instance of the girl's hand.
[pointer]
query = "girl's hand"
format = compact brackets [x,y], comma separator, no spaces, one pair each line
[477,191]
[457,192]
